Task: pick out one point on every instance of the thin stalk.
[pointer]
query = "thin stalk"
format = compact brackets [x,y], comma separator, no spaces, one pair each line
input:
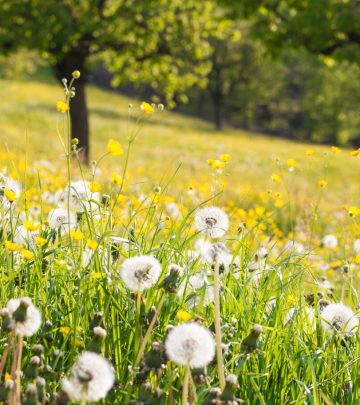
[149,331]
[137,321]
[185,390]
[219,354]
[18,369]
[5,353]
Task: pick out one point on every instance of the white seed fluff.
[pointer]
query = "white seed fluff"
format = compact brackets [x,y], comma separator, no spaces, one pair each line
[357,246]
[140,272]
[213,221]
[31,324]
[338,318]
[330,241]
[190,344]
[91,378]
[59,217]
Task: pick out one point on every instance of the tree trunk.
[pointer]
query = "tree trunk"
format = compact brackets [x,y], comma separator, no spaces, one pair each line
[78,107]
[218,111]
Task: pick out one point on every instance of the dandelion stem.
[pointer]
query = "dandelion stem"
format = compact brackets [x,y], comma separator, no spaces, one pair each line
[18,369]
[185,390]
[149,331]
[5,353]
[138,327]
[219,355]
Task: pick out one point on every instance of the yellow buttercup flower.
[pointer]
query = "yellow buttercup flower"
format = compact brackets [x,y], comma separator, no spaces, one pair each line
[355,152]
[323,183]
[12,247]
[26,254]
[218,164]
[30,226]
[116,179]
[225,157]
[183,315]
[10,195]
[76,235]
[147,108]
[114,148]
[210,162]
[62,107]
[64,330]
[335,149]
[276,178]
[291,300]
[95,187]
[291,163]
[92,244]
[40,241]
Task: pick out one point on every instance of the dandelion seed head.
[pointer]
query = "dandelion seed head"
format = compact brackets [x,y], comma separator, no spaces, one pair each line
[190,344]
[140,272]
[31,319]
[61,218]
[339,318]
[330,241]
[213,221]
[91,378]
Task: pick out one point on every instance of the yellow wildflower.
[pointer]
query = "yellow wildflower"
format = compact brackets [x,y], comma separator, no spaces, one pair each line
[279,203]
[291,163]
[114,148]
[62,107]
[276,178]
[92,244]
[309,152]
[26,254]
[225,157]
[354,211]
[183,315]
[39,240]
[116,178]
[10,195]
[323,183]
[12,247]
[30,226]
[291,300]
[95,187]
[355,152]
[7,377]
[210,162]
[76,235]
[218,164]
[64,330]
[147,108]
[335,149]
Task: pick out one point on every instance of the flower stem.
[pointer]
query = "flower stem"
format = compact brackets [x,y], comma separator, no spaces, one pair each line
[137,320]
[185,390]
[18,369]
[219,355]
[149,331]
[5,353]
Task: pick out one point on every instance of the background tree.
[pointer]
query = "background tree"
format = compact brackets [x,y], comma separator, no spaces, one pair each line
[162,43]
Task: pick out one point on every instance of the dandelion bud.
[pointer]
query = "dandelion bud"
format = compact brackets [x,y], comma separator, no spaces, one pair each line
[31,397]
[213,397]
[130,105]
[231,385]
[75,141]
[155,358]
[171,282]
[64,81]
[40,385]
[38,350]
[160,107]
[32,370]
[7,321]
[72,93]
[157,189]
[75,74]
[199,376]
[47,328]
[322,304]
[99,335]
[249,344]
[346,269]
[96,321]
[105,199]
[5,388]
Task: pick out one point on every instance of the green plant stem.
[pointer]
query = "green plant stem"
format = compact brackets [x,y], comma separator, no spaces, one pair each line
[219,355]
[5,353]
[185,390]
[149,331]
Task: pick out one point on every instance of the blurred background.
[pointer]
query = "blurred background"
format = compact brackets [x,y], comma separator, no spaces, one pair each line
[286,68]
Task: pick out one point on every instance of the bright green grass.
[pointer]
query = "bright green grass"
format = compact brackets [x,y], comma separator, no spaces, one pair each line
[296,363]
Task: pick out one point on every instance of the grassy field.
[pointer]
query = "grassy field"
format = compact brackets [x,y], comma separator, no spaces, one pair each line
[252,301]
[29,122]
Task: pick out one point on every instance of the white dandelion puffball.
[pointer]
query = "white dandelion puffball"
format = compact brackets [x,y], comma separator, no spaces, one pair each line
[190,344]
[31,316]
[91,378]
[294,247]
[213,221]
[339,318]
[140,272]
[330,241]
[61,217]
[357,246]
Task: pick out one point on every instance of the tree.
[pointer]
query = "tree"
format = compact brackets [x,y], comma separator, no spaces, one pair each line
[159,42]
